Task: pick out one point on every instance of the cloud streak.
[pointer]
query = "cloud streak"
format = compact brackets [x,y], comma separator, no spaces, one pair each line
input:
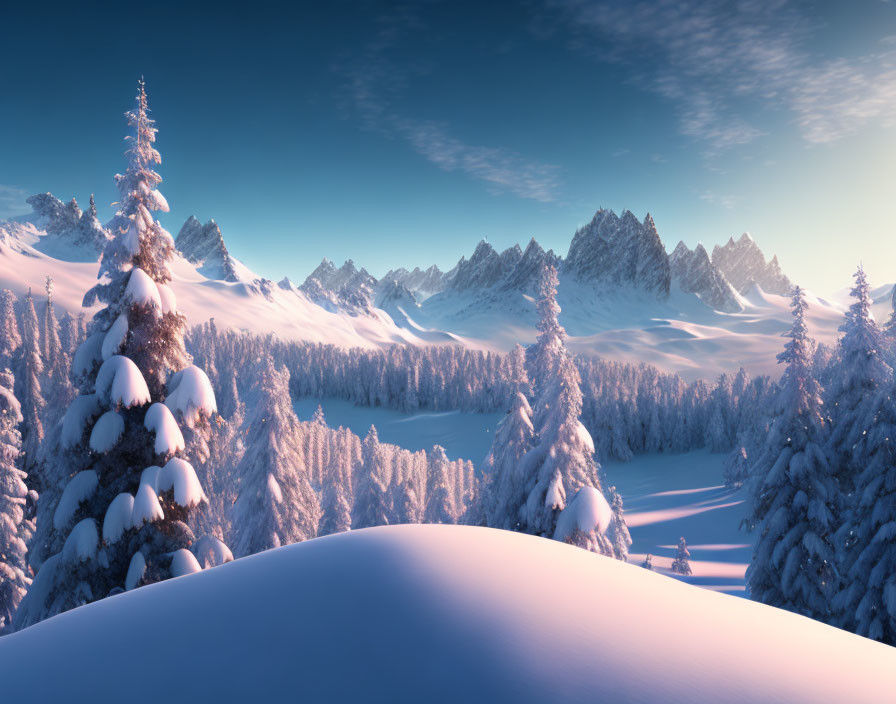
[376,83]
[12,202]
[729,65]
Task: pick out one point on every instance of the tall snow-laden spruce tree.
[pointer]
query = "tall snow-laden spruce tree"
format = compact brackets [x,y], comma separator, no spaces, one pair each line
[793,565]
[58,389]
[860,371]
[866,603]
[15,531]
[858,400]
[509,484]
[371,506]
[120,520]
[276,504]
[549,346]
[560,470]
[441,506]
[31,368]
[10,339]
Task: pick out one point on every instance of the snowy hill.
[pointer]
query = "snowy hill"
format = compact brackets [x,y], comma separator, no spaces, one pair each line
[437,614]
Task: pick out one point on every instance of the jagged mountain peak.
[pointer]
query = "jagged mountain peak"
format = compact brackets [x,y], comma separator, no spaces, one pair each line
[693,272]
[203,246]
[71,234]
[743,264]
[620,251]
[346,288]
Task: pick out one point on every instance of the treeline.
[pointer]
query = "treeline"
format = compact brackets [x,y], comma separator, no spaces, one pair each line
[628,408]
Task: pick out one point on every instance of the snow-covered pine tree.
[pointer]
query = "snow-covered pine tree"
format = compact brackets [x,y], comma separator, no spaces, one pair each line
[218,473]
[31,369]
[58,389]
[860,371]
[10,339]
[648,562]
[866,603]
[560,468]
[14,529]
[337,512]
[440,495]
[518,376]
[276,504]
[792,486]
[617,531]
[549,346]
[561,460]
[508,483]
[682,562]
[737,468]
[120,520]
[408,503]
[371,506]
[52,347]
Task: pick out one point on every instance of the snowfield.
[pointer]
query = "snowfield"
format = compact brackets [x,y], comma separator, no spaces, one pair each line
[437,614]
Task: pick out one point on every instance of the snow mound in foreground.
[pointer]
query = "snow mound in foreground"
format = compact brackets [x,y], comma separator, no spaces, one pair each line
[437,614]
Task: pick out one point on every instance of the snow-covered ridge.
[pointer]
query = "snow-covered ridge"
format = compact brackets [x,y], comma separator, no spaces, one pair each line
[439,614]
[70,233]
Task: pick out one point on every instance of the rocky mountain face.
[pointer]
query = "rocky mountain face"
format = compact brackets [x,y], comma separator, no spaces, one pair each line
[71,233]
[620,251]
[422,283]
[743,264]
[694,272]
[203,245]
[484,268]
[347,288]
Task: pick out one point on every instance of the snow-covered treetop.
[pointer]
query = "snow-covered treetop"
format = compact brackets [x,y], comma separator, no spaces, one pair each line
[138,240]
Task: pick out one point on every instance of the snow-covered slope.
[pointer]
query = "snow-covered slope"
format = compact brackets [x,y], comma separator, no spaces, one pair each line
[257,306]
[437,614]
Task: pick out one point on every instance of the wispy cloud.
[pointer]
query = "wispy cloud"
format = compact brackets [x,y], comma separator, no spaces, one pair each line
[376,84]
[501,169]
[12,202]
[728,65]
[725,201]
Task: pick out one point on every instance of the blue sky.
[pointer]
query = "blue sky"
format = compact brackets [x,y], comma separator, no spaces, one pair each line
[401,135]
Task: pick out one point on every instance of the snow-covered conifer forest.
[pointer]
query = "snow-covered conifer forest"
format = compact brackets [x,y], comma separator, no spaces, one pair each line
[164,411]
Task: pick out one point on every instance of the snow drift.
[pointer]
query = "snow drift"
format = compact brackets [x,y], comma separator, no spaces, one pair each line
[437,614]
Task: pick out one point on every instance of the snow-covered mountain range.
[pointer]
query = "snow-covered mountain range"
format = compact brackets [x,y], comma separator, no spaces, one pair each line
[623,296]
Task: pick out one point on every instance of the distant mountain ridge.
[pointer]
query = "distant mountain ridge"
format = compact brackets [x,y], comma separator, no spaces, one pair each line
[611,252]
